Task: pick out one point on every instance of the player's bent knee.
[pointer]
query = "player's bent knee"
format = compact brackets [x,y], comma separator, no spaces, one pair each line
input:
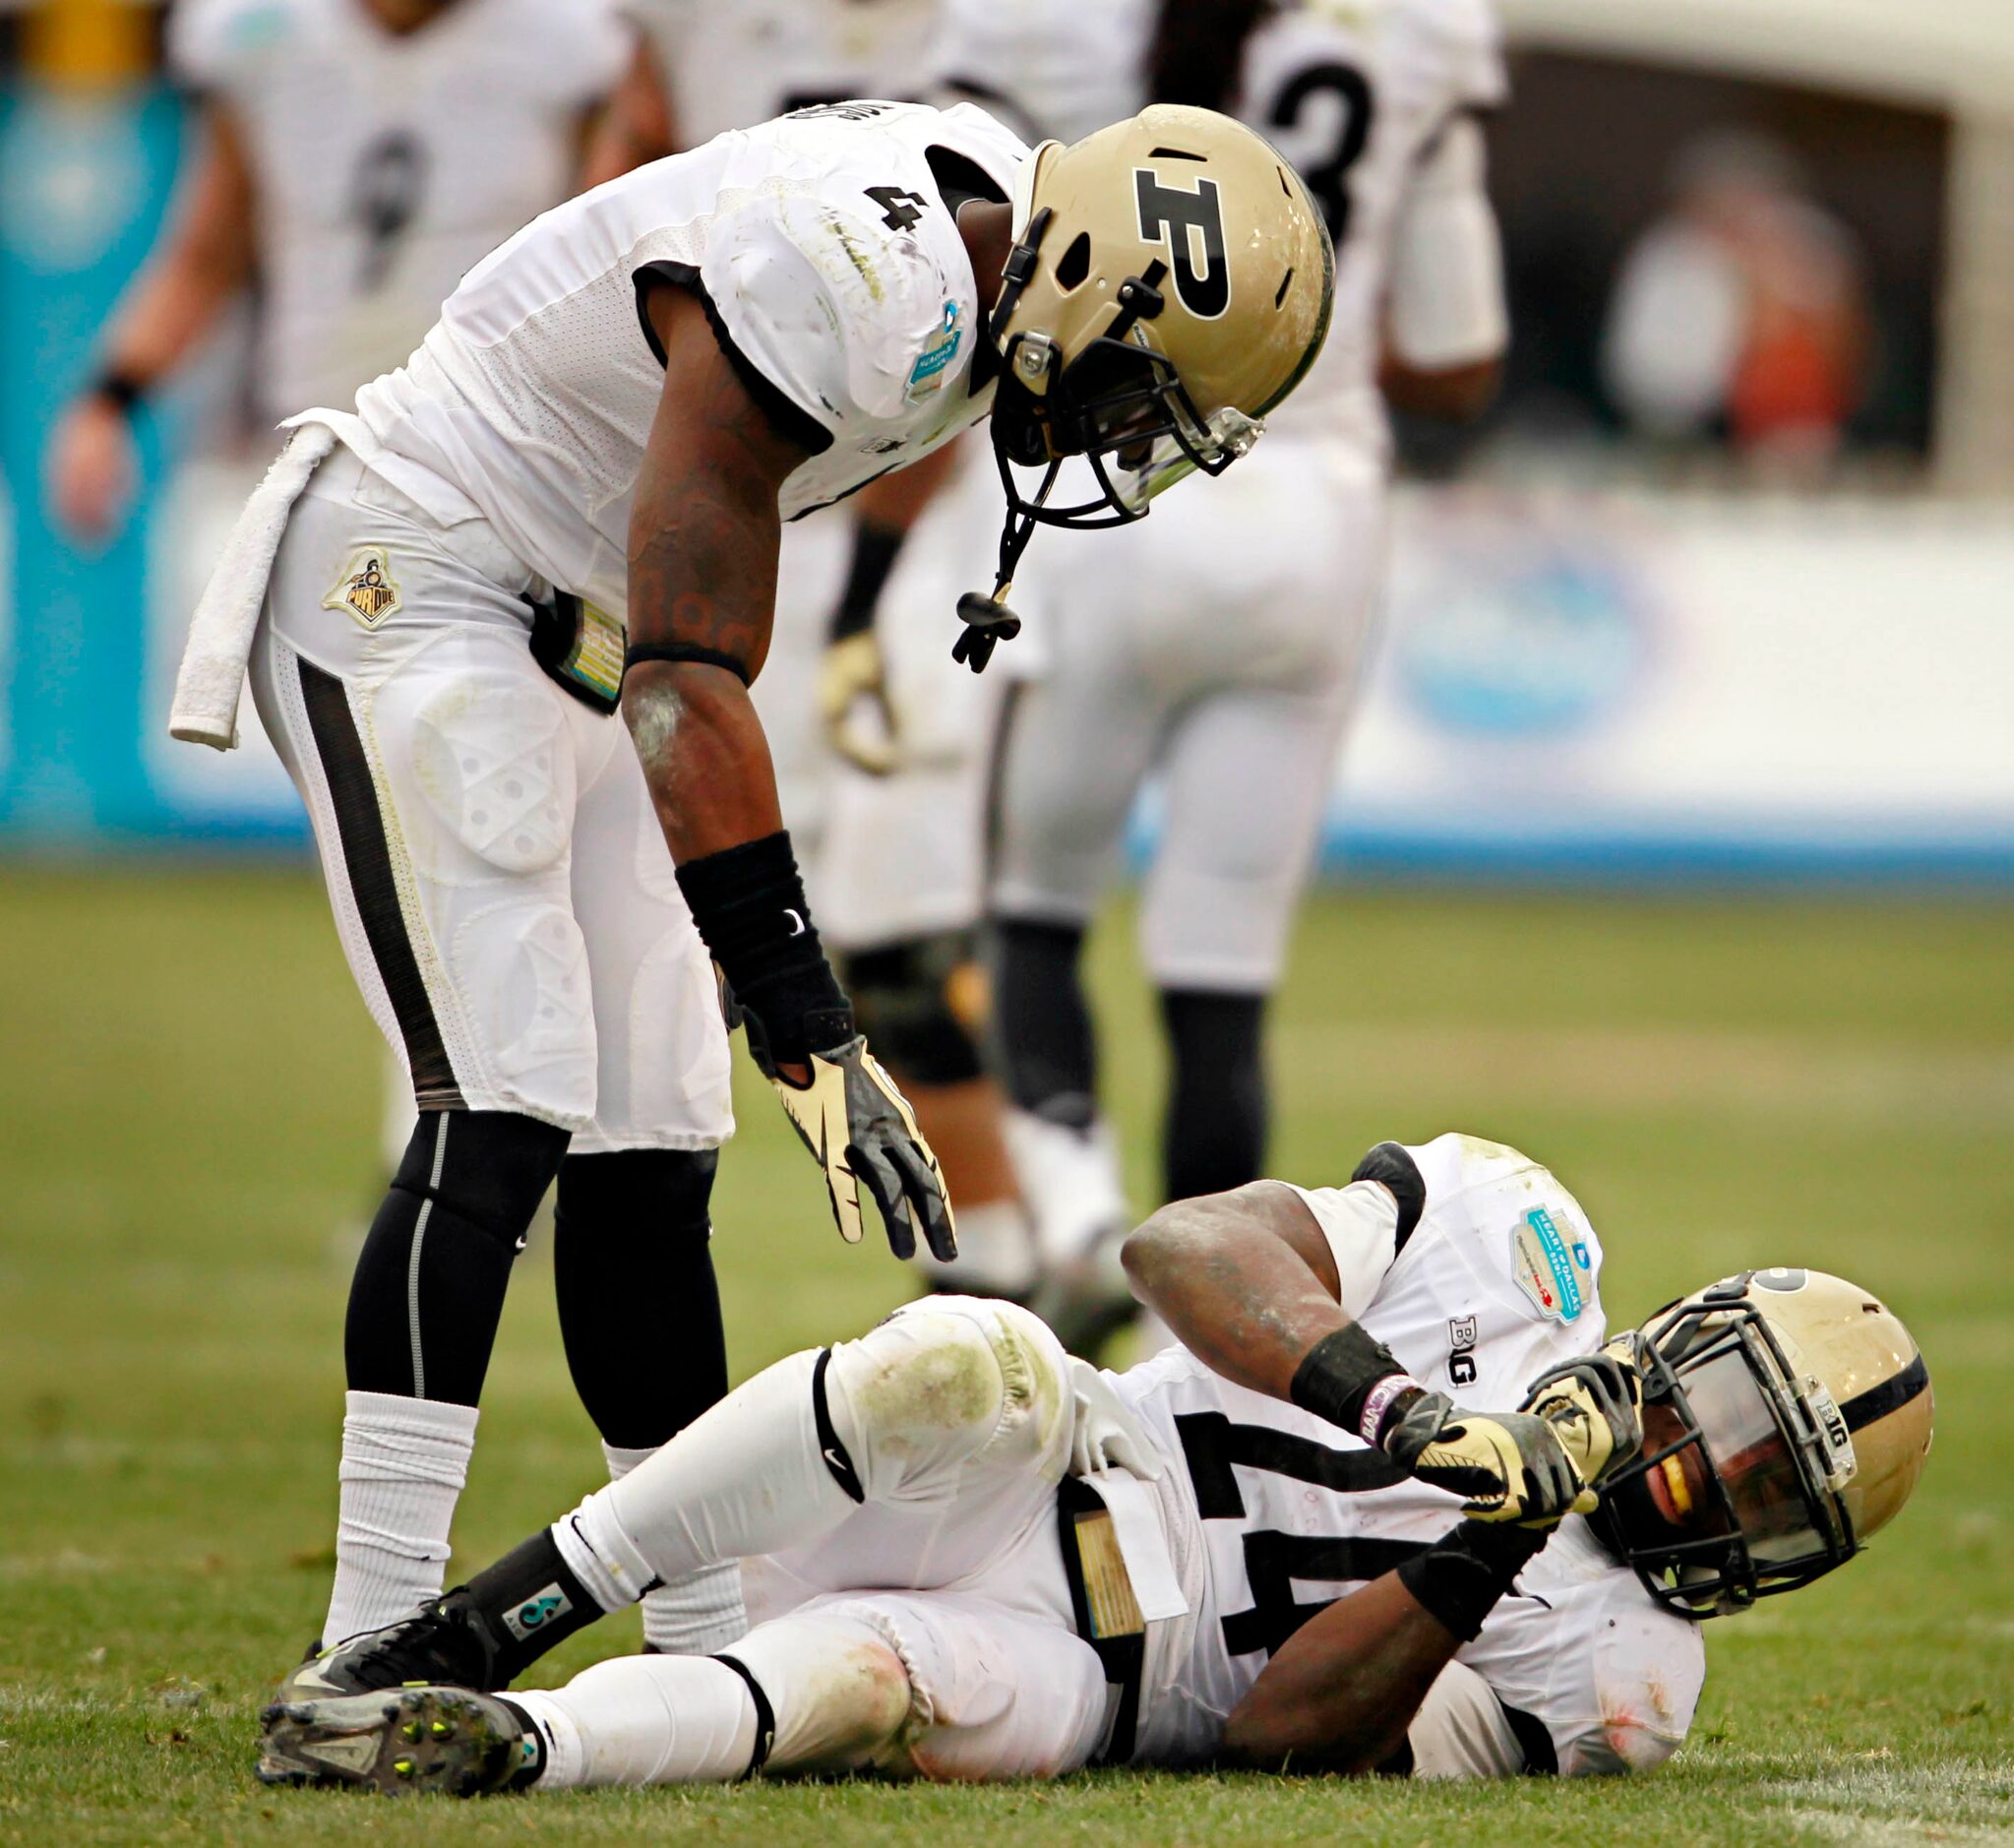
[922,1004]
[488,1168]
[946,1382]
[838,1693]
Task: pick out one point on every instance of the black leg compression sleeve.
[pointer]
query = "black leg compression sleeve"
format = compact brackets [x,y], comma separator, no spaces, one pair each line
[1216,1123]
[921,1002]
[640,1311]
[1041,1020]
[430,1281]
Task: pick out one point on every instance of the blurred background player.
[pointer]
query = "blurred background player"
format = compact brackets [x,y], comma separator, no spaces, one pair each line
[1218,651]
[354,158]
[357,156]
[898,894]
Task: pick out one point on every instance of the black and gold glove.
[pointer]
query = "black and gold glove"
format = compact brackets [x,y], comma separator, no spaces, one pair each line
[749,904]
[1596,1406]
[861,1130]
[1506,1465]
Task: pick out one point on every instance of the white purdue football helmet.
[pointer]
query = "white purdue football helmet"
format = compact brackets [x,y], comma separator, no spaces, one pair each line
[1787,1415]
[1170,282]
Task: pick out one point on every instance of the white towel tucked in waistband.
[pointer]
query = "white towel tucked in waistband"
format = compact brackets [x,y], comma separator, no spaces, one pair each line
[219,644]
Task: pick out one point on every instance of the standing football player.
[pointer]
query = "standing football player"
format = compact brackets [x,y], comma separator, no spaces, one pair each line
[1225,664]
[1295,1542]
[614,413]
[897,881]
[356,158]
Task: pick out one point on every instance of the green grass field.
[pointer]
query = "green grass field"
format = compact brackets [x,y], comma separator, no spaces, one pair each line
[187,1110]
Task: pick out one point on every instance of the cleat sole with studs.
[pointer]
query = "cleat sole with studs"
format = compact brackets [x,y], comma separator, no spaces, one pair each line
[409,1741]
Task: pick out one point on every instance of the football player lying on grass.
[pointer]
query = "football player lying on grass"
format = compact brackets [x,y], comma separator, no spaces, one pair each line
[1287,1543]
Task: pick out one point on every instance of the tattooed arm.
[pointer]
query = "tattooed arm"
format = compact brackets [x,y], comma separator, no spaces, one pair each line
[704,538]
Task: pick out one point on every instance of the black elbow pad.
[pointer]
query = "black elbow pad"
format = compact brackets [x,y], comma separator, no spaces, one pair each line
[1392,1167]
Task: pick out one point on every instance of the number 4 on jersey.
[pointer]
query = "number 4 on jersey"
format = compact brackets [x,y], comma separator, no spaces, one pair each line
[901,209]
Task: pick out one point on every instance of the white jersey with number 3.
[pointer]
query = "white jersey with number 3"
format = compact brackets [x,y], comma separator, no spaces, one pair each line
[387,163]
[1355,95]
[1498,1281]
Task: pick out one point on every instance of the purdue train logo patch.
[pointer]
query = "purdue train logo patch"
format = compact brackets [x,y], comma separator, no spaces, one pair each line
[366,586]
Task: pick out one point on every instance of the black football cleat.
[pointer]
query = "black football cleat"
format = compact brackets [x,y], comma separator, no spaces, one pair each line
[444,1643]
[451,1742]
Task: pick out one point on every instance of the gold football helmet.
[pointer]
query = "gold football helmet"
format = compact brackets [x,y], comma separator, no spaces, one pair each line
[1787,1415]
[1170,282]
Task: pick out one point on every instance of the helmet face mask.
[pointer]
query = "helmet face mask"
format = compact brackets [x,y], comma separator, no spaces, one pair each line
[1750,1483]
[1122,407]
[1742,1500]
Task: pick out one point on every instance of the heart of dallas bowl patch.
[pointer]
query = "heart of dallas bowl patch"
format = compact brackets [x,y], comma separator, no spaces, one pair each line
[1556,1272]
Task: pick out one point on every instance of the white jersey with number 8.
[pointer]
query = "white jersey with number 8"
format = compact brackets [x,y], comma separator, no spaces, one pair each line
[387,163]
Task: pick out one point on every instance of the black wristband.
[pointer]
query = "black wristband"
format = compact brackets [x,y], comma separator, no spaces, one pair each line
[874,549]
[749,904]
[1337,1374]
[1461,1576]
[119,389]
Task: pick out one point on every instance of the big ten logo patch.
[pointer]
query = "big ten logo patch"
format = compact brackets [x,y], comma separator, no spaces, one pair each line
[1461,1350]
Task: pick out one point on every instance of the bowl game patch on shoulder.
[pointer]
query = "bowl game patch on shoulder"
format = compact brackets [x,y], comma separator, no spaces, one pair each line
[1556,1272]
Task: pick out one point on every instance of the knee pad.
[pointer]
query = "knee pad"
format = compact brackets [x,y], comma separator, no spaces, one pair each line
[646,1195]
[923,1005]
[941,1382]
[838,1694]
[489,1168]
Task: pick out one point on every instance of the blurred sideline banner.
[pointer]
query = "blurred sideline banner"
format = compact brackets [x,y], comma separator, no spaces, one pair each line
[1644,686]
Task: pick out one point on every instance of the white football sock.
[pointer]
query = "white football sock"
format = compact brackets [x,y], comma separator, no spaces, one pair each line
[695,1615]
[403,1466]
[744,1477]
[644,1719]
[996,1252]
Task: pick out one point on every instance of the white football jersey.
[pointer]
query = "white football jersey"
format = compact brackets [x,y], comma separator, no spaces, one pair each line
[1498,1281]
[823,246]
[385,164]
[1354,93]
[1065,67]
[732,63]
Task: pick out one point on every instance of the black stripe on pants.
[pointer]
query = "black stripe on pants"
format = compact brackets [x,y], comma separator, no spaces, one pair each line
[368,858]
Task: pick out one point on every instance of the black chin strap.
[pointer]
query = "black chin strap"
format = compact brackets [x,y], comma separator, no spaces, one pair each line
[988,619]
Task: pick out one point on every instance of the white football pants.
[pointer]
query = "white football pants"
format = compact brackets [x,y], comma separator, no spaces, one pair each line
[1215,645]
[924,1630]
[500,882]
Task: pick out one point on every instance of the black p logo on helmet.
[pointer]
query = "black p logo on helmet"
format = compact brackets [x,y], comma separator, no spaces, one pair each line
[1184,219]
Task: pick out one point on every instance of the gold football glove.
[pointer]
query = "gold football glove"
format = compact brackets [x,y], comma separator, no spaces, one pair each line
[851,676]
[1506,1465]
[1596,1406]
[862,1132]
